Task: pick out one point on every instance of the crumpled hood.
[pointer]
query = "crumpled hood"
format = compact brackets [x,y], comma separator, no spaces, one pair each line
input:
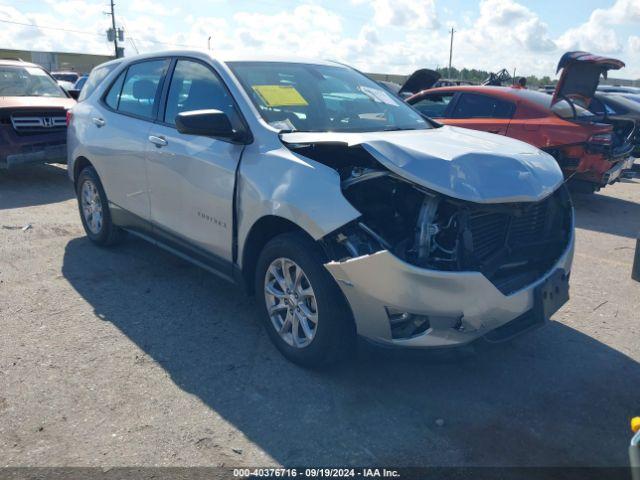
[461,163]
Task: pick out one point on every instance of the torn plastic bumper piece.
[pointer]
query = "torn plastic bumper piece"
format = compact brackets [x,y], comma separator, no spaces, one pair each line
[460,306]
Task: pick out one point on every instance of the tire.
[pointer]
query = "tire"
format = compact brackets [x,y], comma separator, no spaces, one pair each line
[333,335]
[104,232]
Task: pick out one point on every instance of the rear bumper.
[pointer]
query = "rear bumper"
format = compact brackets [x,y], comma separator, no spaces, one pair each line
[613,174]
[461,306]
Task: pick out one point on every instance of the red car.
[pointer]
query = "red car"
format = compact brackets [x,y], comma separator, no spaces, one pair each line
[33,109]
[592,150]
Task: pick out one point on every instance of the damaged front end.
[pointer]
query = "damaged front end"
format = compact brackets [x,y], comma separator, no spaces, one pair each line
[421,268]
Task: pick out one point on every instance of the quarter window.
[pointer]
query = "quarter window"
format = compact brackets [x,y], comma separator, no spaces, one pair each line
[195,87]
[114,92]
[434,105]
[472,105]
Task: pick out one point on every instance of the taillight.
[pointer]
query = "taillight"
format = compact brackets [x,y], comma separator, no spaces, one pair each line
[69,117]
[601,139]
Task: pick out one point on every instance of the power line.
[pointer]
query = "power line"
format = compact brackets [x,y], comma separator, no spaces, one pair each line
[83,32]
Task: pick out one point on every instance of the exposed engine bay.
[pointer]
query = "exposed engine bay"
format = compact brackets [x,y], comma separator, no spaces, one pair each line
[512,244]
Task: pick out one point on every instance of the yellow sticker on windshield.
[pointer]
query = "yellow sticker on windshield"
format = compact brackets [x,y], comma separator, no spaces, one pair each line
[280,96]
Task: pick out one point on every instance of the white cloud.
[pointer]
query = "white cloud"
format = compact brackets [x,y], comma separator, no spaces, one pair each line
[410,14]
[598,34]
[389,37]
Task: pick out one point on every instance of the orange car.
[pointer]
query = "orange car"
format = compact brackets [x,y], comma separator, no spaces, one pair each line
[592,150]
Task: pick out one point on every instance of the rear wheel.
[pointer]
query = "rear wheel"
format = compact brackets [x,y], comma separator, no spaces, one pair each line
[305,313]
[94,209]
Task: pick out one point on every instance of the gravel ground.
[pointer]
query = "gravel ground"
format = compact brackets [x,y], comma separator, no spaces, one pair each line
[130,356]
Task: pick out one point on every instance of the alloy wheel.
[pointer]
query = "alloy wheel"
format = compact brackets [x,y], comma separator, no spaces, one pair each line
[91,206]
[291,302]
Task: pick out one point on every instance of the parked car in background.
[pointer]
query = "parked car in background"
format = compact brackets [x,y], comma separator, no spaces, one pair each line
[618,89]
[80,82]
[68,77]
[33,109]
[620,108]
[75,90]
[344,210]
[592,150]
[631,96]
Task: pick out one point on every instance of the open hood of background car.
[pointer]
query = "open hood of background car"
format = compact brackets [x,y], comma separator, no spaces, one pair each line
[460,163]
[420,80]
[581,74]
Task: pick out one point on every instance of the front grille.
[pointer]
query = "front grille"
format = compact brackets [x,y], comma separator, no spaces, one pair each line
[517,244]
[530,226]
[489,231]
[25,123]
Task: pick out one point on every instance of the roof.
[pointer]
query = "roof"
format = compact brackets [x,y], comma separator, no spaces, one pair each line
[223,58]
[17,63]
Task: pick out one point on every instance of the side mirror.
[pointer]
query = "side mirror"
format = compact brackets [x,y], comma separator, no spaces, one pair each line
[207,123]
[74,93]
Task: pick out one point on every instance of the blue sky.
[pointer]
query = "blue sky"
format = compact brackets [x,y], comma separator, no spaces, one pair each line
[390,36]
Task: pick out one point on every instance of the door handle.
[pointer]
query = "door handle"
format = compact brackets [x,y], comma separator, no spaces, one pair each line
[99,122]
[158,141]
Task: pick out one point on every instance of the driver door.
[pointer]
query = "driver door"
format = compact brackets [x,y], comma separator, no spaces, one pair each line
[192,177]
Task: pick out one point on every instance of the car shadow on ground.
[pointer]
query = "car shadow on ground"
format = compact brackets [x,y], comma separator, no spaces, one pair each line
[603,213]
[34,185]
[552,397]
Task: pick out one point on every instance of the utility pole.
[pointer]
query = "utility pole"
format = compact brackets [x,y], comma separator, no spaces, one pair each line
[115,33]
[451,51]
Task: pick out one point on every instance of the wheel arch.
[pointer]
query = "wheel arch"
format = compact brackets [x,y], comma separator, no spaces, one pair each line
[261,232]
[79,164]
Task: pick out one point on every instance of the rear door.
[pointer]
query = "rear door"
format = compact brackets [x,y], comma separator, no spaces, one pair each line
[481,112]
[192,177]
[118,134]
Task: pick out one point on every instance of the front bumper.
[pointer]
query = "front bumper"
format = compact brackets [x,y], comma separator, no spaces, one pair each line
[461,306]
[35,154]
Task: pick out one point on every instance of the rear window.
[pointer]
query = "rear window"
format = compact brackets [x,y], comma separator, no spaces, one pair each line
[562,108]
[95,77]
[472,105]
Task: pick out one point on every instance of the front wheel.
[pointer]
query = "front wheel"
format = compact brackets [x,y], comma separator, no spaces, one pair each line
[305,313]
[94,209]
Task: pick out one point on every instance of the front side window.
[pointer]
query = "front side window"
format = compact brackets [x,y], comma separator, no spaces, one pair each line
[139,88]
[433,105]
[19,81]
[195,87]
[471,105]
[321,98]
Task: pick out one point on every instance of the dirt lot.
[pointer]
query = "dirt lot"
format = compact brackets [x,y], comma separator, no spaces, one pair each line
[130,356]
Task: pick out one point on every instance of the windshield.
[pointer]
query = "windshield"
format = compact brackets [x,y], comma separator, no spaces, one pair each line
[319,98]
[66,77]
[18,81]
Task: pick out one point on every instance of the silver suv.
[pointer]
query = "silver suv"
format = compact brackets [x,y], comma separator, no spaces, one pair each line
[343,209]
